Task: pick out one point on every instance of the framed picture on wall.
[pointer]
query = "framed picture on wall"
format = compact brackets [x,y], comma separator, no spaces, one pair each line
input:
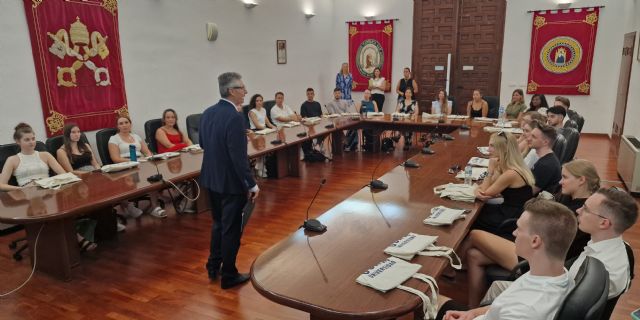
[281,51]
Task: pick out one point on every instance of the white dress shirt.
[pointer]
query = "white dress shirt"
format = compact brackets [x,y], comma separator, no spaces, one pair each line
[276,112]
[530,297]
[613,254]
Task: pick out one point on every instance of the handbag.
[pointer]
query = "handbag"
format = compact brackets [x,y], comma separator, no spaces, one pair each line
[415,244]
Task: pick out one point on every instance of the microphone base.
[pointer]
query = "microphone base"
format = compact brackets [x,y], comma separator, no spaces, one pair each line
[329,126]
[155,178]
[314,225]
[276,142]
[427,150]
[464,127]
[378,184]
[410,164]
[301,134]
[448,137]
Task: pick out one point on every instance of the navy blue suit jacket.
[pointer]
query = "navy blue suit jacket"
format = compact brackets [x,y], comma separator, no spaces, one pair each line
[225,165]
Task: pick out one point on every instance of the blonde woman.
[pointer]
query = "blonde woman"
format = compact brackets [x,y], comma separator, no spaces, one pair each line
[344,81]
[579,181]
[509,177]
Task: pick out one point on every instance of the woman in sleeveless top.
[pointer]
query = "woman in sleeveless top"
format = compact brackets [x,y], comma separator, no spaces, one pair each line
[579,181]
[169,138]
[119,152]
[408,106]
[367,105]
[507,176]
[378,85]
[258,119]
[406,83]
[30,165]
[477,107]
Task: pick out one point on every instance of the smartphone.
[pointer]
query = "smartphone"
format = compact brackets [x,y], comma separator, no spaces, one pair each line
[635,315]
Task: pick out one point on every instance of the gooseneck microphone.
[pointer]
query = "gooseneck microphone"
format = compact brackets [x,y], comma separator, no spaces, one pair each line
[375,183]
[313,224]
[156,177]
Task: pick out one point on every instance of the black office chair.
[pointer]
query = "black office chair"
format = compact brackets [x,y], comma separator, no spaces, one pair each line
[494,106]
[267,107]
[54,143]
[6,151]
[559,147]
[611,303]
[150,128]
[245,111]
[572,136]
[579,121]
[102,144]
[587,300]
[193,127]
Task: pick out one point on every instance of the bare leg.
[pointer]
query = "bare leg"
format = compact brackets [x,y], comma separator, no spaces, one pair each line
[476,263]
[497,249]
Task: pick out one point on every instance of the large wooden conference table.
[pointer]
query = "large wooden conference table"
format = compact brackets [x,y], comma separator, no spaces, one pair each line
[316,272]
[49,215]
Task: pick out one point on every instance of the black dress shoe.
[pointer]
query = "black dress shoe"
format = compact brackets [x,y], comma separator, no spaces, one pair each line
[240,278]
[213,274]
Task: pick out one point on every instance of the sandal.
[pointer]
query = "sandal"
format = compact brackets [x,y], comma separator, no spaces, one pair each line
[86,245]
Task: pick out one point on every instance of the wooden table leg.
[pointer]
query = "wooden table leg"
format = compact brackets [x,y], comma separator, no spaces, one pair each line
[289,161]
[337,141]
[375,135]
[57,247]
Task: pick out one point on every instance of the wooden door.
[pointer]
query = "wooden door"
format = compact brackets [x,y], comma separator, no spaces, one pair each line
[623,89]
[472,31]
[479,50]
[434,30]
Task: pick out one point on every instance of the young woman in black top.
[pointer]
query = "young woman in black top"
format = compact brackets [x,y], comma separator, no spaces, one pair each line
[75,155]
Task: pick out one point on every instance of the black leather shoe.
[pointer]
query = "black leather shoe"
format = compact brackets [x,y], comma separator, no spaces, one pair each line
[240,278]
[213,274]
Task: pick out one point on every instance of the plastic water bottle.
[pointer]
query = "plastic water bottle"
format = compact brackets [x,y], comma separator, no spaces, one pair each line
[133,156]
[468,172]
[501,115]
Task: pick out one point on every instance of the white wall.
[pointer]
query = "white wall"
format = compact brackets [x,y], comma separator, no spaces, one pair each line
[598,107]
[168,62]
[631,126]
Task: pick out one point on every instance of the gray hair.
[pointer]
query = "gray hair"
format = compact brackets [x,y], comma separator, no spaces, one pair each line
[227,81]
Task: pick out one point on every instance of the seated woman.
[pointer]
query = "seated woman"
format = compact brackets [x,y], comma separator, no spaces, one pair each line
[477,107]
[367,105]
[516,107]
[539,103]
[119,152]
[441,105]
[76,156]
[408,106]
[507,176]
[258,119]
[30,165]
[168,137]
[579,181]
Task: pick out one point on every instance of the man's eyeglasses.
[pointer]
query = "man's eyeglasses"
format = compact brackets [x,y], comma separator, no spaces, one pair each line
[586,209]
[239,87]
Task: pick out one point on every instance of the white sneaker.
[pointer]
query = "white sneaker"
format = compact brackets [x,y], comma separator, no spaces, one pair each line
[132,211]
[158,212]
[121,227]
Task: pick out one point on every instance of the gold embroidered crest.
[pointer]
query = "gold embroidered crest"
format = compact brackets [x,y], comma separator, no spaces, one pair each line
[55,122]
[591,18]
[584,87]
[532,86]
[388,30]
[539,22]
[353,31]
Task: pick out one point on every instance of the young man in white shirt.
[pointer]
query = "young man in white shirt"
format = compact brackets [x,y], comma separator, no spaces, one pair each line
[544,234]
[605,216]
[281,113]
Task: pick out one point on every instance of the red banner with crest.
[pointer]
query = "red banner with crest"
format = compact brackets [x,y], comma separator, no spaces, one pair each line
[76,50]
[562,46]
[370,47]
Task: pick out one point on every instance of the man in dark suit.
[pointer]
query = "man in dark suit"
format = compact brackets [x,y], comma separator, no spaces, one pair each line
[227,176]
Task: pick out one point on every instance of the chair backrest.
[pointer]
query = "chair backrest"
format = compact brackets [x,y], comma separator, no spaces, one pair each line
[494,106]
[150,128]
[245,111]
[611,303]
[8,150]
[559,147]
[571,124]
[267,107]
[573,138]
[54,143]
[102,144]
[193,127]
[588,298]
[579,121]
[452,105]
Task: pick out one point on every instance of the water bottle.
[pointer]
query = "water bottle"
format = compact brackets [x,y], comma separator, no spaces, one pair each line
[468,172]
[132,152]
[501,115]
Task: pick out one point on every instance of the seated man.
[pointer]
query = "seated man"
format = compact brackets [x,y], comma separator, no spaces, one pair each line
[547,170]
[556,116]
[338,105]
[310,108]
[281,113]
[605,215]
[545,231]
[570,114]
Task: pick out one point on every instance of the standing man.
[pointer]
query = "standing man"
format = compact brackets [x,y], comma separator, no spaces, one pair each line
[227,176]
[406,83]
